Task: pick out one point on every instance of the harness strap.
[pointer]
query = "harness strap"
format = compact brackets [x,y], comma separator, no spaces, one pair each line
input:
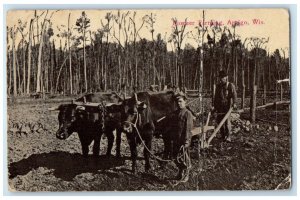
[151,153]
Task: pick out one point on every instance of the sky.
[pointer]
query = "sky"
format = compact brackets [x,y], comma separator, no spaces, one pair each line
[270,23]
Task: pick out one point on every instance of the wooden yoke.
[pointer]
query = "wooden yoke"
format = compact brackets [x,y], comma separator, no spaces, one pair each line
[91,104]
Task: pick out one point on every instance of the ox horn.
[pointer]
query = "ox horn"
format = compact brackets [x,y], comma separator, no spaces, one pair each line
[135,97]
[53,108]
[111,104]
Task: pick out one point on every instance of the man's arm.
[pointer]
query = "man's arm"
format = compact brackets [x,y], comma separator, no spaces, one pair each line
[234,95]
[189,127]
[217,97]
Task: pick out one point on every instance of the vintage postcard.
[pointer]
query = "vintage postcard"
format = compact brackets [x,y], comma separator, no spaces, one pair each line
[148,100]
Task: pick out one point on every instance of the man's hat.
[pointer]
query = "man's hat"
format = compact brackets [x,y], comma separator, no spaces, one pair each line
[180,95]
[222,74]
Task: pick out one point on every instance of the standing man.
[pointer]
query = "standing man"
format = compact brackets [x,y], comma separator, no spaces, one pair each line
[182,124]
[225,98]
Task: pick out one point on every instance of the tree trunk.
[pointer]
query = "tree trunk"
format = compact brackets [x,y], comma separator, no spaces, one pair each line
[18,73]
[253,96]
[29,57]
[38,78]
[163,71]
[50,69]
[57,79]
[84,63]
[203,136]
[8,62]
[281,92]
[105,74]
[195,79]
[102,71]
[248,81]
[236,71]
[120,71]
[243,88]
[136,68]
[79,75]
[264,86]
[176,69]
[14,62]
[269,75]
[153,66]
[54,67]
[70,56]
[24,67]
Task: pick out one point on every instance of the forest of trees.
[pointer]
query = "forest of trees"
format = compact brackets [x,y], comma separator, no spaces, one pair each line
[117,57]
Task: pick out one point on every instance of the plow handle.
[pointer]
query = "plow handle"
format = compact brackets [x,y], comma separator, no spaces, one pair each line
[219,126]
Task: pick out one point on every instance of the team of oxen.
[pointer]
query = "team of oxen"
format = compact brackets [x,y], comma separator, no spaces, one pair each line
[141,117]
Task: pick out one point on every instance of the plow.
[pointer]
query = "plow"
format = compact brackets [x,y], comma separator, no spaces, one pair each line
[202,131]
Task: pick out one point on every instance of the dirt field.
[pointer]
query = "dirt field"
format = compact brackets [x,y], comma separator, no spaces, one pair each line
[256,159]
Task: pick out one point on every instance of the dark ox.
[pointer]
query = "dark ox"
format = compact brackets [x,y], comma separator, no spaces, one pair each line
[145,111]
[90,122]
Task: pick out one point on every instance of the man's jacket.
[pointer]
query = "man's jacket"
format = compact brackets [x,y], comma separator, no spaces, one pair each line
[225,97]
[181,126]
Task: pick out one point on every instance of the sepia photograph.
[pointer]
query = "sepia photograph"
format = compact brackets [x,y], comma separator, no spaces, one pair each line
[148,100]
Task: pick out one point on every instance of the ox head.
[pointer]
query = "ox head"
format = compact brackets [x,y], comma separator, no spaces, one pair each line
[68,117]
[132,108]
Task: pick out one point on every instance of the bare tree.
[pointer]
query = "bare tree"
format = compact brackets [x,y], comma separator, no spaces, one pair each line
[21,27]
[39,67]
[13,32]
[256,44]
[150,20]
[8,61]
[178,35]
[83,23]
[29,56]
[199,38]
[245,57]
[106,30]
[119,21]
[135,35]
[70,55]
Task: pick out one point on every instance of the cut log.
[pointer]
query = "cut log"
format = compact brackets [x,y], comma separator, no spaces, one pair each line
[266,105]
[283,80]
[272,104]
